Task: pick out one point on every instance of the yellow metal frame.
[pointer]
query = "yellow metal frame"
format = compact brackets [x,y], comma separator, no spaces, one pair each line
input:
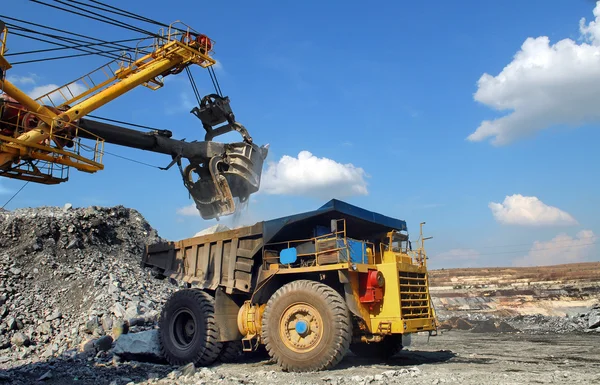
[54,155]
[390,311]
[406,305]
[268,261]
[4,64]
[50,153]
[169,56]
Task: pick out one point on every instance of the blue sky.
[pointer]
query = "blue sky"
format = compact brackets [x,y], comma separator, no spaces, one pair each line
[389,88]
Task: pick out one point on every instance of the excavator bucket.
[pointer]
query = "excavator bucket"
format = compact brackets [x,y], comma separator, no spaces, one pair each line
[217,184]
[225,178]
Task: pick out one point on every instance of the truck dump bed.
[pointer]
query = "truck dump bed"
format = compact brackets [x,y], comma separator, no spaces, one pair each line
[232,259]
[223,259]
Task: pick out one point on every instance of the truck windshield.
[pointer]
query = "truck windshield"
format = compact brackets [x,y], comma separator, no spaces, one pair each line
[399,242]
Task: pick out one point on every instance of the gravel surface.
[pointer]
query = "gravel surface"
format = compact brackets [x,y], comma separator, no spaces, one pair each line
[454,357]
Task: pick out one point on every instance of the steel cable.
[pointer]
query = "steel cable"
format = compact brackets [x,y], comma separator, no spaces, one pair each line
[29,24]
[102,18]
[37,38]
[87,45]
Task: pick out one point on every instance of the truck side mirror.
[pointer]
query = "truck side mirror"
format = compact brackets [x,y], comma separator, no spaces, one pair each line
[287,256]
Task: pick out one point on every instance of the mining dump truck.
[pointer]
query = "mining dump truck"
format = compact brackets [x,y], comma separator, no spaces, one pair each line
[308,287]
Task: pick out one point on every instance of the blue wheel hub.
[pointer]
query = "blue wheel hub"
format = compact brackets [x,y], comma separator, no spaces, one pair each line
[301,327]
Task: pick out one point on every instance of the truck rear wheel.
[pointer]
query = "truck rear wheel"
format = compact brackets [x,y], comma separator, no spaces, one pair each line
[306,326]
[388,347]
[188,331]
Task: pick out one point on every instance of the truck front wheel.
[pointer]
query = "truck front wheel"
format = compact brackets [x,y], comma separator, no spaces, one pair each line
[306,326]
[187,329]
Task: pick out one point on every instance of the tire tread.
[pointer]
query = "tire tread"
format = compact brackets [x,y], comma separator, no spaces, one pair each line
[212,347]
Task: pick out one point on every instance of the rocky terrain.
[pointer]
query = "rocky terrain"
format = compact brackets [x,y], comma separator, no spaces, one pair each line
[70,282]
[76,307]
[454,357]
[543,299]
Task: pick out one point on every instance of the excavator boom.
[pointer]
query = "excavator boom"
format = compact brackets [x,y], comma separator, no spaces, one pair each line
[40,139]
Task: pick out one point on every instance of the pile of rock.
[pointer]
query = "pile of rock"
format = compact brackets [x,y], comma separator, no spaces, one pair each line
[478,326]
[71,281]
[491,326]
[456,323]
[593,317]
[588,321]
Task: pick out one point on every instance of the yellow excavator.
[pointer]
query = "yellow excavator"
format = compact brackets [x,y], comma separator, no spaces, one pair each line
[40,139]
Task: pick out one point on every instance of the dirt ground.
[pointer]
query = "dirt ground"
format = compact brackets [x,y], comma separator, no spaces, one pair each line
[454,357]
[472,358]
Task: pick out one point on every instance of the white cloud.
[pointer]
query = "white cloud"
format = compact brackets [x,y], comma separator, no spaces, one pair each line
[544,85]
[4,190]
[185,104]
[38,91]
[42,90]
[310,175]
[454,258]
[458,255]
[189,211]
[529,211]
[22,80]
[592,30]
[560,249]
[305,175]
[218,66]
[56,97]
[245,215]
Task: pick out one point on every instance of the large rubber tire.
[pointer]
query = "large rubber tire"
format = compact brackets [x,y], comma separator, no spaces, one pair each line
[383,350]
[325,327]
[188,331]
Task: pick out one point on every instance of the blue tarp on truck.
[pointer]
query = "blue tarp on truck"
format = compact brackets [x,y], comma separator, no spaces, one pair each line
[360,222]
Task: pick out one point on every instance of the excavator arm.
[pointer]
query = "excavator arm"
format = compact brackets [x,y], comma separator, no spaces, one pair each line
[217,174]
[40,139]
